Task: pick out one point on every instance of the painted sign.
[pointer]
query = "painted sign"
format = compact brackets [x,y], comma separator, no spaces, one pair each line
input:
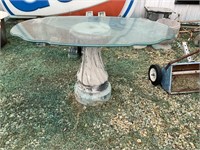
[16,8]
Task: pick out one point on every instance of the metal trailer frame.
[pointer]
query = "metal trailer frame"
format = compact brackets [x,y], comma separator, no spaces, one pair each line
[177,77]
[181,70]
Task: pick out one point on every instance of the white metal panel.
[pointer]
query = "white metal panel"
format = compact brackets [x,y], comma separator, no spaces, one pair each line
[139,9]
[187,12]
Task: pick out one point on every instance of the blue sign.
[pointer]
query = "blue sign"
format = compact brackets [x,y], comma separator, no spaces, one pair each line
[26,6]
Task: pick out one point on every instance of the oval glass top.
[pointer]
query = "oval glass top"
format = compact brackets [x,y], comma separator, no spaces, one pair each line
[93,31]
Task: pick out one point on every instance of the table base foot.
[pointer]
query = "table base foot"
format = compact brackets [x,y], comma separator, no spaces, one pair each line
[90,97]
[74,52]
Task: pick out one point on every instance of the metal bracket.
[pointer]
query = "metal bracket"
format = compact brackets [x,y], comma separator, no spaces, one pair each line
[186,51]
[102,13]
[89,13]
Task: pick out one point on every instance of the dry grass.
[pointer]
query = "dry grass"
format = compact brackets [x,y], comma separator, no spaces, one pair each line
[38,109]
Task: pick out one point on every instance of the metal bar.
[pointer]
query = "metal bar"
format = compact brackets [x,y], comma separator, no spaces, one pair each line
[185,72]
[186,51]
[179,59]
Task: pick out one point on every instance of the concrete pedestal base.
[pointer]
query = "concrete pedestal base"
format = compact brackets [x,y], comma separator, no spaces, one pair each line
[92,85]
[91,97]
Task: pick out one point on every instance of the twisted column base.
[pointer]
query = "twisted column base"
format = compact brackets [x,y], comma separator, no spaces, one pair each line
[92,97]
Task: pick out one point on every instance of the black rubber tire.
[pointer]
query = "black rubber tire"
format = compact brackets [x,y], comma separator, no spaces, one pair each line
[158,74]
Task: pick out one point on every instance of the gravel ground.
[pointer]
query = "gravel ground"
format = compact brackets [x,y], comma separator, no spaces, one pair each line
[38,109]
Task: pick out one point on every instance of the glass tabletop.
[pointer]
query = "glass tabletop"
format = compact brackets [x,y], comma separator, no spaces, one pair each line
[92,31]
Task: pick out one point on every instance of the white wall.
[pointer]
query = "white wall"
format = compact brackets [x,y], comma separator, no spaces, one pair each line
[139,8]
[187,12]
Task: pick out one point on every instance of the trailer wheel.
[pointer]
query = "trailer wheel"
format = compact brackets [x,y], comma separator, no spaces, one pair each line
[155,74]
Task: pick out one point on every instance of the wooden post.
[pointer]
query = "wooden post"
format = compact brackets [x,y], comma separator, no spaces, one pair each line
[3,28]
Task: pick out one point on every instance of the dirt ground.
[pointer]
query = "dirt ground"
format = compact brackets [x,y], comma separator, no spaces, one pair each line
[38,109]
